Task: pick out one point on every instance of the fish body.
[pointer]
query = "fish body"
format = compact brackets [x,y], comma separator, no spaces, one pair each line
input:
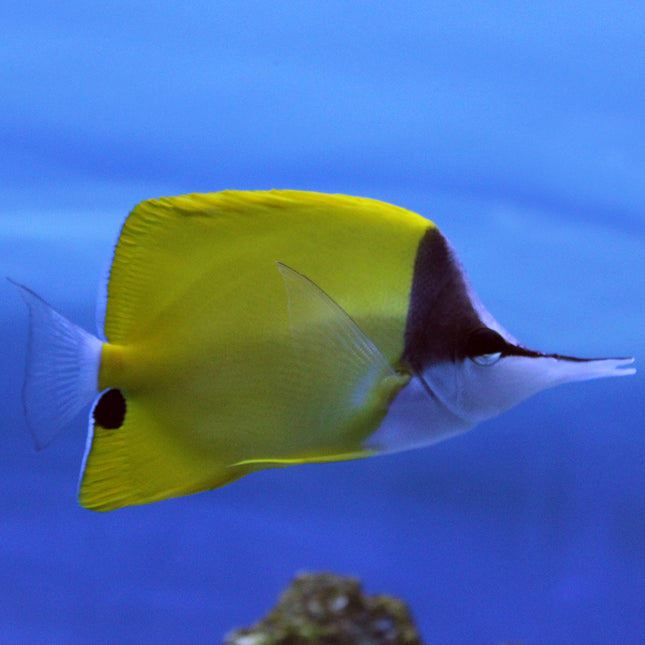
[250,330]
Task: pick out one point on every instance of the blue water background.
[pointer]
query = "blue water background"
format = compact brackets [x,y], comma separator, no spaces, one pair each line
[518,127]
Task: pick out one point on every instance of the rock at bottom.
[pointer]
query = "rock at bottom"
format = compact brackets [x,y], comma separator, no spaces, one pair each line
[327,609]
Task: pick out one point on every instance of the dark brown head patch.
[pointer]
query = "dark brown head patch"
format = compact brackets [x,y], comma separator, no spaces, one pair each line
[441,316]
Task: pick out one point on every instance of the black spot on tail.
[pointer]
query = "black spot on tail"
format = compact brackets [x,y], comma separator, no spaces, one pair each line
[109,412]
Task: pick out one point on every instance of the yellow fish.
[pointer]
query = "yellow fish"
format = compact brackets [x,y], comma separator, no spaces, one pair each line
[250,330]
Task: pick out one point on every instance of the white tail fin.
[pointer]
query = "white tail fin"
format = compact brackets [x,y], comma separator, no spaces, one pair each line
[61,375]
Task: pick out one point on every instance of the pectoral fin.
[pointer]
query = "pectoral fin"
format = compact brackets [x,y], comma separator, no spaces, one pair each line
[349,383]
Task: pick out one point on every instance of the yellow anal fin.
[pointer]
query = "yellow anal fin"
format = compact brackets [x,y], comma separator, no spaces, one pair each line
[314,459]
[142,462]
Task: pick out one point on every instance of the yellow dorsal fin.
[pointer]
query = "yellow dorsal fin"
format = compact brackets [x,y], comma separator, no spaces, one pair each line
[166,244]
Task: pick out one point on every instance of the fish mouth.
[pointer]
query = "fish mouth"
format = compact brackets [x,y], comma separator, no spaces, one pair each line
[598,366]
[570,368]
[603,366]
[612,363]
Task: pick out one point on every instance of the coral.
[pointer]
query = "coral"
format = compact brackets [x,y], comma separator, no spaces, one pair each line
[327,609]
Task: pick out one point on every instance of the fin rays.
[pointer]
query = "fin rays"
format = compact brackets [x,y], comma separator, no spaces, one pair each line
[61,374]
[347,378]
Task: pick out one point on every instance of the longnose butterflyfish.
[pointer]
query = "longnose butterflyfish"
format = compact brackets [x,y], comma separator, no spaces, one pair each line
[251,330]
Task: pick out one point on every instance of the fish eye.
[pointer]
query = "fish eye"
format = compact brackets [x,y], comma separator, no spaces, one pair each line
[485,346]
[487,359]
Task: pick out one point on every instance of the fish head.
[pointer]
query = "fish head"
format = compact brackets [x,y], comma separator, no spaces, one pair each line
[471,366]
[490,373]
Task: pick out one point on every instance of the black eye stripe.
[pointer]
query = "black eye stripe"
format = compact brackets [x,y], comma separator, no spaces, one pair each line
[484,341]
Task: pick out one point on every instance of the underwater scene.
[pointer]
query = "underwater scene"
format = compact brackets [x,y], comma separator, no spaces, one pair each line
[517,129]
